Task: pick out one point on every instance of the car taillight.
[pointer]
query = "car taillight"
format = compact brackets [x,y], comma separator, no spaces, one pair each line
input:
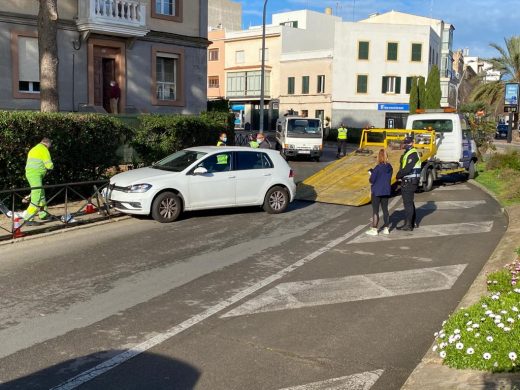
[291,173]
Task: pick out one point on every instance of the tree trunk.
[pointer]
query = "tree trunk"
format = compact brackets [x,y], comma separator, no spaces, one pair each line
[48,50]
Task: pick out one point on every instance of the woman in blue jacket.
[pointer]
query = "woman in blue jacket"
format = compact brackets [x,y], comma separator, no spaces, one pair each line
[381,183]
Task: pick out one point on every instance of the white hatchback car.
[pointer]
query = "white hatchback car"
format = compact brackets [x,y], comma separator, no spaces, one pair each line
[205,177]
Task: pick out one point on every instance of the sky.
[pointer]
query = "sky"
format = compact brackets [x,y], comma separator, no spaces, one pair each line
[477,22]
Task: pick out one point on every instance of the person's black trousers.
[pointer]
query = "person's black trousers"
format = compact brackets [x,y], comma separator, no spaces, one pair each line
[342,147]
[408,189]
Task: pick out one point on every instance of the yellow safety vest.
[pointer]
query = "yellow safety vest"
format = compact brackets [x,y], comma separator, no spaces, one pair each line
[39,160]
[254,144]
[221,143]
[342,133]
[416,171]
[222,159]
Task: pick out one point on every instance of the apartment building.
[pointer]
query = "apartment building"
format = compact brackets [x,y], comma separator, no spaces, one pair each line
[225,15]
[375,60]
[155,50]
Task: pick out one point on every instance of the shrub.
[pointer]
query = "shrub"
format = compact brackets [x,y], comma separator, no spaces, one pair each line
[84,146]
[508,160]
[161,135]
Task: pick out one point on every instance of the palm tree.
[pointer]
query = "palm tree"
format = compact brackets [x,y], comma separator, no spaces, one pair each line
[508,64]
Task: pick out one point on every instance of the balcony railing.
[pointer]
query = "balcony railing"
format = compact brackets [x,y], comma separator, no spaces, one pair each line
[115,17]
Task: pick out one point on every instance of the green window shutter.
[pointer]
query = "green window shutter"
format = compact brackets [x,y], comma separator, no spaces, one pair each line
[305,84]
[362,83]
[416,52]
[290,86]
[385,84]
[363,50]
[408,84]
[392,51]
[398,85]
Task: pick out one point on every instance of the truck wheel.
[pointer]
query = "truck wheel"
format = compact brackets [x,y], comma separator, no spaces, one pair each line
[166,207]
[428,183]
[472,171]
[276,200]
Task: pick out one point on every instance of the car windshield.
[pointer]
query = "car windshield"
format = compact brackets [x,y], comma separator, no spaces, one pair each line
[179,161]
[305,128]
[439,125]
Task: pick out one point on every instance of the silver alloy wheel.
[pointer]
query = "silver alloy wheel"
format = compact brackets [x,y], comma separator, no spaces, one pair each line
[168,208]
[277,200]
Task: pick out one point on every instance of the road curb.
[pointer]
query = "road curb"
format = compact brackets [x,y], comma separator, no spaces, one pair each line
[430,373]
[64,230]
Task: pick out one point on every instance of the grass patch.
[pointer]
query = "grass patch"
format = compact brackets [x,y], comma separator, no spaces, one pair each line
[486,335]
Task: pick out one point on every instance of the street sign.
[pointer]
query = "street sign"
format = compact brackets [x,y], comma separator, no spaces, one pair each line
[511,97]
[511,109]
[393,107]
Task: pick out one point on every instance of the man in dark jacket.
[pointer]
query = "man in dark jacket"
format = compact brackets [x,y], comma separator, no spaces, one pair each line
[409,173]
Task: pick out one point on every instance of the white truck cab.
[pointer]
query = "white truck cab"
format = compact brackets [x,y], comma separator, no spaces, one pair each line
[456,150]
[297,136]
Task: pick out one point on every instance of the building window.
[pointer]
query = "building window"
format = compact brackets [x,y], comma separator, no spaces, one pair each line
[167,77]
[363,50]
[320,114]
[25,65]
[305,85]
[266,57]
[321,84]
[391,51]
[409,84]
[293,23]
[391,84]
[213,55]
[416,52]
[305,113]
[213,82]
[167,9]
[240,57]
[246,84]
[362,83]
[290,85]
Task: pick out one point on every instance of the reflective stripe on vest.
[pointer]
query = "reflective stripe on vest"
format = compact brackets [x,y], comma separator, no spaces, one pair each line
[39,159]
[416,171]
[342,133]
[222,159]
[254,144]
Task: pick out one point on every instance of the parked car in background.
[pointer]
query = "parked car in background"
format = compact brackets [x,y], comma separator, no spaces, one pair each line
[205,177]
[502,130]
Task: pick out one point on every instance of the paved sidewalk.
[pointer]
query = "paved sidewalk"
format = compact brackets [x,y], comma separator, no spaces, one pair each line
[430,374]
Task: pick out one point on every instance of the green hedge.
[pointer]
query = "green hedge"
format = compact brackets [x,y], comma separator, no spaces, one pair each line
[84,146]
[160,135]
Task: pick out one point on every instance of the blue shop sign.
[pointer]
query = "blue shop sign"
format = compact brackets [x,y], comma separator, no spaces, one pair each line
[393,107]
[238,107]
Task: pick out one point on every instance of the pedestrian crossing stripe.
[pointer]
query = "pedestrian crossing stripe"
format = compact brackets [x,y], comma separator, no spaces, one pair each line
[449,205]
[362,381]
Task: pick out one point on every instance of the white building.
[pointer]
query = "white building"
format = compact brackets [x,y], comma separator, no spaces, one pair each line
[375,60]
[481,68]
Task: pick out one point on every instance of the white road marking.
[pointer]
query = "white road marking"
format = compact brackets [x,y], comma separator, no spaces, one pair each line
[363,381]
[449,205]
[427,231]
[102,368]
[453,187]
[295,295]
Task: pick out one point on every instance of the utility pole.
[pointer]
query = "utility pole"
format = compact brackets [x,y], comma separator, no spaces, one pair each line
[262,71]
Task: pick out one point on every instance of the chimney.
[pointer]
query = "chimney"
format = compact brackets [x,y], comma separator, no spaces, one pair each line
[328,11]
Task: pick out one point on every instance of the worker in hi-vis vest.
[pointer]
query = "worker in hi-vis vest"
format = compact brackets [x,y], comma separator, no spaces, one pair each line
[409,174]
[342,141]
[222,139]
[38,163]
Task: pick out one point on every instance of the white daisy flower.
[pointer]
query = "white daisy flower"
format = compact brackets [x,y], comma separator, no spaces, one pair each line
[443,322]
[512,356]
[466,315]
[457,337]
[456,331]
[495,297]
[501,325]
[488,312]
[477,334]
[495,364]
[491,315]
[489,338]
[486,355]
[436,334]
[469,323]
[475,326]
[459,345]
[442,354]
[498,316]
[510,320]
[469,329]
[503,312]
[484,306]
[470,351]
[434,348]
[514,308]
[507,329]
[497,321]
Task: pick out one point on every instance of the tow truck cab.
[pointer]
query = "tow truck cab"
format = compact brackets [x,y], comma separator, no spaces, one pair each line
[297,136]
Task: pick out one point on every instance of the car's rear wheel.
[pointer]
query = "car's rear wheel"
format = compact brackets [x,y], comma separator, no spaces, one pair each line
[428,183]
[166,207]
[276,200]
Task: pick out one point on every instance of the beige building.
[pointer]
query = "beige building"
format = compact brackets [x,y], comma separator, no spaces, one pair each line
[154,49]
[216,64]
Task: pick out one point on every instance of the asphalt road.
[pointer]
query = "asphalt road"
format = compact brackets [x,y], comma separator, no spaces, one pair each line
[239,299]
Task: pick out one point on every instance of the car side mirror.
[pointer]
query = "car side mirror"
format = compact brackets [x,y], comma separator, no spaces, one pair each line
[200,171]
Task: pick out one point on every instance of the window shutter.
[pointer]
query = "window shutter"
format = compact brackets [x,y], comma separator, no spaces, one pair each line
[385,84]
[408,84]
[28,64]
[398,85]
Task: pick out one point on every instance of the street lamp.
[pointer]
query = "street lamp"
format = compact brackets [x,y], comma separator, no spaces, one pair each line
[262,71]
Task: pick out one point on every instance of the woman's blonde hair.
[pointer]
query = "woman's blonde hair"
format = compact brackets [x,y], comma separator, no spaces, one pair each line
[382,156]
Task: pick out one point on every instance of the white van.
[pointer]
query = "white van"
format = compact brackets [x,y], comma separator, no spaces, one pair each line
[456,150]
[297,136]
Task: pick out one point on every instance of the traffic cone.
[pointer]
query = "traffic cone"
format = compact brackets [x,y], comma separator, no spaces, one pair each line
[17,228]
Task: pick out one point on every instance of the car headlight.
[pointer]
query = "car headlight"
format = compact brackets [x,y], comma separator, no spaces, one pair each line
[316,147]
[138,188]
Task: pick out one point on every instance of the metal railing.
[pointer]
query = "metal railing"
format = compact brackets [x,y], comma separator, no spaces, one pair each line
[68,197]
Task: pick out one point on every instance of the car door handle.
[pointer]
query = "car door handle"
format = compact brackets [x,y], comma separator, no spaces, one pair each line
[232,177]
[267,174]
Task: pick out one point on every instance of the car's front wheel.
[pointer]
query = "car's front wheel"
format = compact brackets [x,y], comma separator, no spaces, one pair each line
[166,207]
[276,200]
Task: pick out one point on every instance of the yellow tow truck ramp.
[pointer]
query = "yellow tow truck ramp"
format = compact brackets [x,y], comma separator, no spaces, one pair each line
[346,180]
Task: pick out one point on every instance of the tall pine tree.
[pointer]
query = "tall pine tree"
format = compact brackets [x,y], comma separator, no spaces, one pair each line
[414,96]
[421,92]
[433,93]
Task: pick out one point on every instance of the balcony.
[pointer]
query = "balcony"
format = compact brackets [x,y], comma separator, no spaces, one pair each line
[126,18]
